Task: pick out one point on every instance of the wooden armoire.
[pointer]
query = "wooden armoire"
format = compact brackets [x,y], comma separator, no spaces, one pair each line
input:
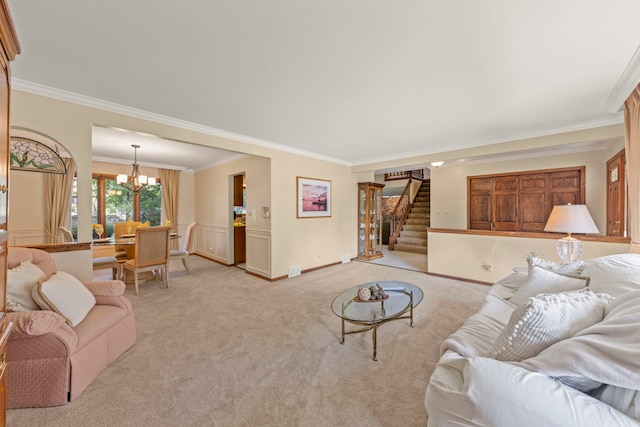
[9,48]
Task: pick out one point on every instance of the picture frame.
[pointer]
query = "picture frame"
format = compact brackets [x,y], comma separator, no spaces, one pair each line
[313,197]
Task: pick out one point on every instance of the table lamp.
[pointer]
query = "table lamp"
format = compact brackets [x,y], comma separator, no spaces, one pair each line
[570,219]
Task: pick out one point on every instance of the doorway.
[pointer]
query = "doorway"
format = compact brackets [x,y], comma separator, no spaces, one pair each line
[239,220]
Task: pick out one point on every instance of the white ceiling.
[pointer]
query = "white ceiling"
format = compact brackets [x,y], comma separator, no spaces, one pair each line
[114,145]
[358,81]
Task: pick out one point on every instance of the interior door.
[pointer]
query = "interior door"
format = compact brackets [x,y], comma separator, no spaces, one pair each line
[616,196]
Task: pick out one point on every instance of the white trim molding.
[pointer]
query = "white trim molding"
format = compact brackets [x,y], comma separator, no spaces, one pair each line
[627,82]
[37,89]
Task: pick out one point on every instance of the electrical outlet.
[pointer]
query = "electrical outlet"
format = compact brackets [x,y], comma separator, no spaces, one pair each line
[346,258]
[295,271]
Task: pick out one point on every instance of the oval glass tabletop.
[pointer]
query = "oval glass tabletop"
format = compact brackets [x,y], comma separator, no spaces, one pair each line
[402,297]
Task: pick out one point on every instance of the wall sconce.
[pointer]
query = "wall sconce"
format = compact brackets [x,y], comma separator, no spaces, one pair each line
[437,164]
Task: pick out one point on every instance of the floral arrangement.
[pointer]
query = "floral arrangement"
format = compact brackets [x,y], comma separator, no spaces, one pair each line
[98,228]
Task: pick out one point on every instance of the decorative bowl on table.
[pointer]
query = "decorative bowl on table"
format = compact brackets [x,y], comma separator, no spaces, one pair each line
[373,293]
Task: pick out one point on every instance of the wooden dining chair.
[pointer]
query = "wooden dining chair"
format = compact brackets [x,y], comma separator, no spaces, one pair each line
[151,253]
[66,234]
[119,229]
[183,253]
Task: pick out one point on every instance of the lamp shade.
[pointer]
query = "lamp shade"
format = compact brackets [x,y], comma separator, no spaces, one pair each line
[570,219]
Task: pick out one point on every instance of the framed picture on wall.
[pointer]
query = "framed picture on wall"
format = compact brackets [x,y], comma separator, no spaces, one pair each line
[314,197]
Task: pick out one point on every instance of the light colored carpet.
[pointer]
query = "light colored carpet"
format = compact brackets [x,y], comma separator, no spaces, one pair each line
[400,259]
[223,348]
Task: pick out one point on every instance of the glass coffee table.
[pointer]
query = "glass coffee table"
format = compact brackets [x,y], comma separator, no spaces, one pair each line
[401,300]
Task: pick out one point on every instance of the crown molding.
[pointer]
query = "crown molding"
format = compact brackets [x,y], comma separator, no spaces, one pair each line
[409,155]
[37,89]
[626,84]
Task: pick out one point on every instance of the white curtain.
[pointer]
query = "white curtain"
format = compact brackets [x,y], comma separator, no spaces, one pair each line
[57,200]
[170,180]
[632,154]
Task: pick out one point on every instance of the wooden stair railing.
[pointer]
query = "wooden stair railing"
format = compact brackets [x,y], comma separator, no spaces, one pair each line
[399,215]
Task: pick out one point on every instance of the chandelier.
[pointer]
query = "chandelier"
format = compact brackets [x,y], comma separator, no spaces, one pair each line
[135,182]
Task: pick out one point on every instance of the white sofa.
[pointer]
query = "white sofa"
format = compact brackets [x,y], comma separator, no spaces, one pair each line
[470,387]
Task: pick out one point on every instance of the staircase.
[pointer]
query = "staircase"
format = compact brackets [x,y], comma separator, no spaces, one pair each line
[413,236]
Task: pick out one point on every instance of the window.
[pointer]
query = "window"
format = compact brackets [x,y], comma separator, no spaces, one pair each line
[74,208]
[112,203]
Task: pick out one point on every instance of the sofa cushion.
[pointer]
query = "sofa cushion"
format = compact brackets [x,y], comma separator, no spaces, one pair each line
[20,281]
[65,295]
[542,281]
[614,274]
[572,269]
[545,320]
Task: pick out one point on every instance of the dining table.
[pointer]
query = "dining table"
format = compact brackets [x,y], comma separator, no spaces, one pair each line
[127,241]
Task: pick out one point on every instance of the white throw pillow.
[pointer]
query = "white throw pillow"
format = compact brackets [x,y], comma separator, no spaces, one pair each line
[20,282]
[614,274]
[545,320]
[542,281]
[572,269]
[65,295]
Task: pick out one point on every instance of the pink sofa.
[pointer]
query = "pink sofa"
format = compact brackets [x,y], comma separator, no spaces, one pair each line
[50,363]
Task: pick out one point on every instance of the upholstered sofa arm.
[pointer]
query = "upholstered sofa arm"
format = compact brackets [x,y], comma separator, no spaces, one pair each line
[482,392]
[35,323]
[109,292]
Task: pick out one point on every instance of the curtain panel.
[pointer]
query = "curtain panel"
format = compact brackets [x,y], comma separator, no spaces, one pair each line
[170,180]
[632,154]
[57,200]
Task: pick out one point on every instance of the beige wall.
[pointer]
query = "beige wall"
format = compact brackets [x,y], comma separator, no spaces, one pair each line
[449,184]
[213,190]
[490,258]
[26,208]
[467,256]
[284,241]
[311,242]
[306,243]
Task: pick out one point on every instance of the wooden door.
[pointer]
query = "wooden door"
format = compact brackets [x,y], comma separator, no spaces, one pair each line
[566,187]
[505,203]
[4,174]
[9,48]
[238,183]
[533,202]
[480,195]
[616,196]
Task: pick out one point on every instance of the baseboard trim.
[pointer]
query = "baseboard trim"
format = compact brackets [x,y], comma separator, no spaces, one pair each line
[461,279]
[212,259]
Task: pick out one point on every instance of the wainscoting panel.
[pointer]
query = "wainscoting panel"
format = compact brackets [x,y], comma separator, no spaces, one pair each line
[259,252]
[27,237]
[212,242]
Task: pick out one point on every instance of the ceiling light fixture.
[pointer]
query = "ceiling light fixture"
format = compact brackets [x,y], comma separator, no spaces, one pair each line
[135,182]
[437,164]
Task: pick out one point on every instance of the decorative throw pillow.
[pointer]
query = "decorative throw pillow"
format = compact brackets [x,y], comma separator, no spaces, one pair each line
[572,269]
[65,295]
[545,320]
[542,281]
[20,281]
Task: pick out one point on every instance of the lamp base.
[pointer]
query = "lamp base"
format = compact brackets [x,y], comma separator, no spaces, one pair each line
[569,249]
